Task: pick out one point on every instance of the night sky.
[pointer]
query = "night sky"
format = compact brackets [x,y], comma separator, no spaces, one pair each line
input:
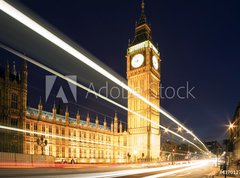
[198,41]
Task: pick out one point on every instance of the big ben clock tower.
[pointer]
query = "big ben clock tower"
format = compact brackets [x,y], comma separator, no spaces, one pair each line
[143,75]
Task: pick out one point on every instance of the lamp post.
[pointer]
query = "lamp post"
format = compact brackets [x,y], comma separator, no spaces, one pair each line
[227,142]
[135,152]
[42,142]
[129,156]
[173,150]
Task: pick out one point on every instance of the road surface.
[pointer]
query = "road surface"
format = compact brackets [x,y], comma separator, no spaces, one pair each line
[202,169]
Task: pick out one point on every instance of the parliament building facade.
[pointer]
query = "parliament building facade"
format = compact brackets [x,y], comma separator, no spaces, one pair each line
[77,139]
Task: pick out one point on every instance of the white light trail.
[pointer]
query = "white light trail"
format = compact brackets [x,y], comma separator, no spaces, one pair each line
[193,166]
[168,169]
[19,16]
[57,136]
[92,91]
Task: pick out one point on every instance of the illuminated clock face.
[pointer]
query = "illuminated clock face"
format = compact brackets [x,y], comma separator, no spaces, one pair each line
[155,62]
[137,60]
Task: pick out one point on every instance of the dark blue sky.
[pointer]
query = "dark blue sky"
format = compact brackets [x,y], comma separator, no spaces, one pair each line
[198,41]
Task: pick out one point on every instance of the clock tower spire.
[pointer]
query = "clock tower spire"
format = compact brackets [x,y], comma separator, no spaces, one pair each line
[142,29]
[143,75]
[143,16]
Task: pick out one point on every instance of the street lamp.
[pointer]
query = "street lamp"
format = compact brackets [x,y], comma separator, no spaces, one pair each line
[227,142]
[135,152]
[42,142]
[166,131]
[231,126]
[179,129]
[173,150]
[129,156]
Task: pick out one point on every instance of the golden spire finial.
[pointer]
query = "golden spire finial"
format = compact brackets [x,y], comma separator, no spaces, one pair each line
[142,5]
[40,101]
[142,19]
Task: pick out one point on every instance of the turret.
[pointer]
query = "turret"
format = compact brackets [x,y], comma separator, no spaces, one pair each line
[88,119]
[67,116]
[120,127]
[97,121]
[54,112]
[60,109]
[105,124]
[7,73]
[40,108]
[24,87]
[111,126]
[115,123]
[14,71]
[24,74]
[78,117]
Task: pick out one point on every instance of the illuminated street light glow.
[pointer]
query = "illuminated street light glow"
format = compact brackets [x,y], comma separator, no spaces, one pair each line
[135,152]
[19,16]
[231,126]
[179,129]
[92,91]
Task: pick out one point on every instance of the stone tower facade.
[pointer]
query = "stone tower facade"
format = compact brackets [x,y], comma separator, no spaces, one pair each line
[143,75]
